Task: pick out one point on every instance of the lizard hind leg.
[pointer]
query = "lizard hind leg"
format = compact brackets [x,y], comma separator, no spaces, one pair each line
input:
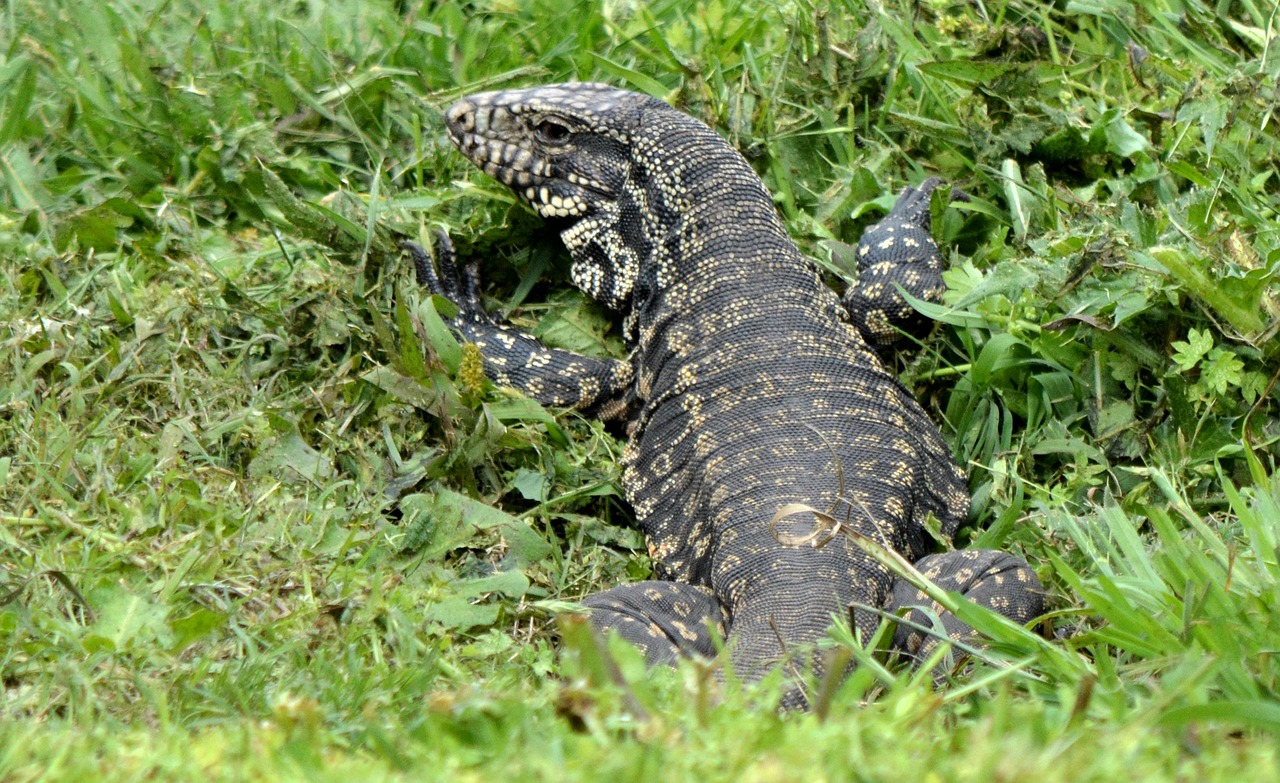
[999,581]
[666,620]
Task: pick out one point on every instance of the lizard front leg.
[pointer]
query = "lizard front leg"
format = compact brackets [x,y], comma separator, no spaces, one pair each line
[897,251]
[602,388]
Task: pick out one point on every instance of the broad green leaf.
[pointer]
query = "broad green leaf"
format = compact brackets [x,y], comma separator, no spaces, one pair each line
[531,485]
[1122,139]
[460,614]
[438,522]
[579,328]
[439,336]
[127,621]
[289,456]
[1188,354]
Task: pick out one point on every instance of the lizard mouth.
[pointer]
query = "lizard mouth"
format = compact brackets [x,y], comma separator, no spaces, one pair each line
[493,139]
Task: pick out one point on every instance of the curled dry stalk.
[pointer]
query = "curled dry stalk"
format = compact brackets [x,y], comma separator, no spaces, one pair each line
[826,526]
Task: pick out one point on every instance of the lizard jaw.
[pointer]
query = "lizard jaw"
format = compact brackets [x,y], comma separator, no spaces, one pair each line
[543,143]
[497,140]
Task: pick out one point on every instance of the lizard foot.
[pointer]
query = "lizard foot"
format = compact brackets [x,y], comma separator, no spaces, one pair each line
[439,274]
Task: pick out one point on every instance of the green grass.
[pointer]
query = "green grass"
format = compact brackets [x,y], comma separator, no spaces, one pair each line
[258,520]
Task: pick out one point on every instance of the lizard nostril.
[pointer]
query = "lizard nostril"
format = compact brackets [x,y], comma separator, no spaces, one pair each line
[461,117]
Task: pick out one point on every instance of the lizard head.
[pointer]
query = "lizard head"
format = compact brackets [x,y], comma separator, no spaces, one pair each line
[561,147]
[642,192]
[566,149]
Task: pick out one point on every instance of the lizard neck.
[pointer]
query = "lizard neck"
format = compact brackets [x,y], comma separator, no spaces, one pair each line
[706,222]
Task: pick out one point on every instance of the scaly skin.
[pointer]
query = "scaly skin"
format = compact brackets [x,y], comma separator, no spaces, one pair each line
[754,386]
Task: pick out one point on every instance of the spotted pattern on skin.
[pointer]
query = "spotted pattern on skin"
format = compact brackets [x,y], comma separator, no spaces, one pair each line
[993,579]
[750,385]
[897,251]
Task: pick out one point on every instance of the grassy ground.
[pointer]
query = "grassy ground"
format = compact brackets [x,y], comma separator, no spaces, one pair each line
[259,521]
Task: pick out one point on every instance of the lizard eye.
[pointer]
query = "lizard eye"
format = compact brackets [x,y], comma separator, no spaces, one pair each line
[551,131]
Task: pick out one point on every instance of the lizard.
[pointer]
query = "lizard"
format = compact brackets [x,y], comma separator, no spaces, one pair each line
[752,390]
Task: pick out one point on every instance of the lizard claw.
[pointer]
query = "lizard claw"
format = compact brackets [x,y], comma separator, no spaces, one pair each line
[440,275]
[912,206]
